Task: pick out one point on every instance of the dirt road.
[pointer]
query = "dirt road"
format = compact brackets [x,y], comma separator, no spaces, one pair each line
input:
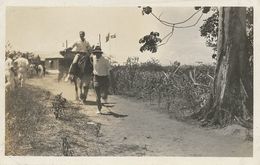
[133,129]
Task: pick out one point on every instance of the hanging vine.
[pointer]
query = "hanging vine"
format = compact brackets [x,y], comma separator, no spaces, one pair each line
[151,42]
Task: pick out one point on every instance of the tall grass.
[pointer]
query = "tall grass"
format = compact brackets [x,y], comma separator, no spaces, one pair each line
[181,89]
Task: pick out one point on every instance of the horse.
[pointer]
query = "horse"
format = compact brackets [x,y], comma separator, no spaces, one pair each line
[82,76]
[82,73]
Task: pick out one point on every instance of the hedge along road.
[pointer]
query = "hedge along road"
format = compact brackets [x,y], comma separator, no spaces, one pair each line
[130,128]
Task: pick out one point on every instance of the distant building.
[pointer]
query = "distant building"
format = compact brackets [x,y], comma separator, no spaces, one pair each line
[53,63]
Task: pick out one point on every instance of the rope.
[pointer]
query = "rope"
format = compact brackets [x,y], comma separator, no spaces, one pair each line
[169,24]
[169,36]
[173,24]
[190,25]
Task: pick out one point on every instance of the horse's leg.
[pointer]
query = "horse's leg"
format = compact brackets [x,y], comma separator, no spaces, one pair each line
[86,86]
[76,88]
[80,88]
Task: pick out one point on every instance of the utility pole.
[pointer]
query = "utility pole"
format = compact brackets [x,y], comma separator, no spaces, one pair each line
[109,48]
[99,38]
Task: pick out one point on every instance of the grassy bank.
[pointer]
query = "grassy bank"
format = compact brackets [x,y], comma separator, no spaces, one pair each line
[32,129]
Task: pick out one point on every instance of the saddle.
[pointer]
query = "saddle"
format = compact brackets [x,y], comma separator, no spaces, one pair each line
[82,67]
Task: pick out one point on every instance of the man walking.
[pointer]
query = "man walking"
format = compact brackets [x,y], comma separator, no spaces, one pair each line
[101,71]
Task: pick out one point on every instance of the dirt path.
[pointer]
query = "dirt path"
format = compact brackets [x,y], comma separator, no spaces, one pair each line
[135,130]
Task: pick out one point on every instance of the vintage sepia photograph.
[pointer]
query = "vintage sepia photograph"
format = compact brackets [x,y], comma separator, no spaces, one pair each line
[129,81]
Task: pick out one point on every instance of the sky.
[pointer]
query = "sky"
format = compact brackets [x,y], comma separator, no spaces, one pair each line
[44,30]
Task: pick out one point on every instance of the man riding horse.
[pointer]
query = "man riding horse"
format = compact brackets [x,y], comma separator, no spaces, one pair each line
[81,66]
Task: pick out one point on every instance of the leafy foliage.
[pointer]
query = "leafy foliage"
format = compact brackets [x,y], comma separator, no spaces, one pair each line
[32,57]
[151,65]
[209,30]
[147,10]
[170,87]
[150,42]
[250,36]
[204,9]
[58,105]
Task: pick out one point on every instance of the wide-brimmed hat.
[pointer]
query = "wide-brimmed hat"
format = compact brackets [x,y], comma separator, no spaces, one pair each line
[97,49]
[82,32]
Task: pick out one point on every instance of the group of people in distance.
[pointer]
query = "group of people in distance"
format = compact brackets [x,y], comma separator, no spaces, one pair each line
[95,67]
[88,65]
[15,71]
[18,69]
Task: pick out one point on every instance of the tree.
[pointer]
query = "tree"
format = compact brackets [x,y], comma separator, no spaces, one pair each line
[231,98]
[209,30]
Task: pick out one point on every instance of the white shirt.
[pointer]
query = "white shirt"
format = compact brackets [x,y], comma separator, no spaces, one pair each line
[82,46]
[101,66]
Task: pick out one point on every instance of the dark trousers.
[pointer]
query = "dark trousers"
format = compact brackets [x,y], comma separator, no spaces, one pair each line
[101,85]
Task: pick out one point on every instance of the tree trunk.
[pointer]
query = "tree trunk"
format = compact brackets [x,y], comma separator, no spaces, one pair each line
[232,95]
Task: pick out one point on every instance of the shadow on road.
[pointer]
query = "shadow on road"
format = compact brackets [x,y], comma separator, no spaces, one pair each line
[87,102]
[116,115]
[108,105]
